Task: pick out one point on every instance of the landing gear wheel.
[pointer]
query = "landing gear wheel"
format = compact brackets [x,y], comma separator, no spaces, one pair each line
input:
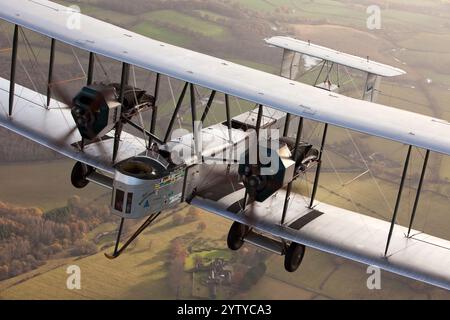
[294,256]
[236,236]
[79,174]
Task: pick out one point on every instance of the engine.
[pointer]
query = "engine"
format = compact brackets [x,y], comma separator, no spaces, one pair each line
[96,109]
[264,179]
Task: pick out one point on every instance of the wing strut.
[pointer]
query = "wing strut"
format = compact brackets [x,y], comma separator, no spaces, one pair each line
[320,72]
[150,135]
[195,128]
[155,110]
[119,125]
[227,107]
[175,113]
[419,190]
[258,129]
[399,197]
[319,166]
[117,252]
[289,187]
[12,80]
[286,125]
[208,105]
[90,75]
[50,71]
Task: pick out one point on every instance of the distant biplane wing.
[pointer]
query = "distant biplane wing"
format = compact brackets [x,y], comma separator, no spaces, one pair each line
[343,233]
[293,48]
[341,58]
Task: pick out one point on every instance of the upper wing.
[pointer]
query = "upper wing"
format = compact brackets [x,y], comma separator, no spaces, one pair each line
[55,128]
[338,57]
[282,94]
[344,233]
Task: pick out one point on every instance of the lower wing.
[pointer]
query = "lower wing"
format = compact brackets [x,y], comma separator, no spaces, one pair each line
[343,233]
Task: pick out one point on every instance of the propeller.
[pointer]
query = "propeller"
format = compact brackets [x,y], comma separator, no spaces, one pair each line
[65,98]
[64,139]
[83,116]
[63,95]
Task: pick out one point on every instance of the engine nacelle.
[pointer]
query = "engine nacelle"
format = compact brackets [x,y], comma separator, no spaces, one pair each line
[145,185]
[96,111]
[264,180]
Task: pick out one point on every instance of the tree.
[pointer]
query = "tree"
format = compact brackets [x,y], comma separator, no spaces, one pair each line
[177,249]
[198,260]
[56,248]
[4,272]
[74,202]
[84,247]
[47,235]
[16,268]
[175,278]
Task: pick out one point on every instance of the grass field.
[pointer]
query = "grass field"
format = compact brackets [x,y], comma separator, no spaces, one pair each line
[45,185]
[185,21]
[209,15]
[141,274]
[162,34]
[110,16]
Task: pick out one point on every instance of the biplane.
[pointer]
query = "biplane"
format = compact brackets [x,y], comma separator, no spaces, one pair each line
[150,174]
[331,62]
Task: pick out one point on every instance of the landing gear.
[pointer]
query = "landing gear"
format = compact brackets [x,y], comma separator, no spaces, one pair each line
[294,256]
[236,236]
[293,253]
[117,252]
[79,175]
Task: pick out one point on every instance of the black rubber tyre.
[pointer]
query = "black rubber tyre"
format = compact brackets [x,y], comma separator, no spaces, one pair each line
[79,173]
[294,257]
[236,236]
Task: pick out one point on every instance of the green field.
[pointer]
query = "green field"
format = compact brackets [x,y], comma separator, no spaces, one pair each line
[139,274]
[162,34]
[110,16]
[45,185]
[185,21]
[209,15]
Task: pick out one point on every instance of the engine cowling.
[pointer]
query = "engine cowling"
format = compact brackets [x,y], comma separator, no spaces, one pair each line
[96,111]
[264,179]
